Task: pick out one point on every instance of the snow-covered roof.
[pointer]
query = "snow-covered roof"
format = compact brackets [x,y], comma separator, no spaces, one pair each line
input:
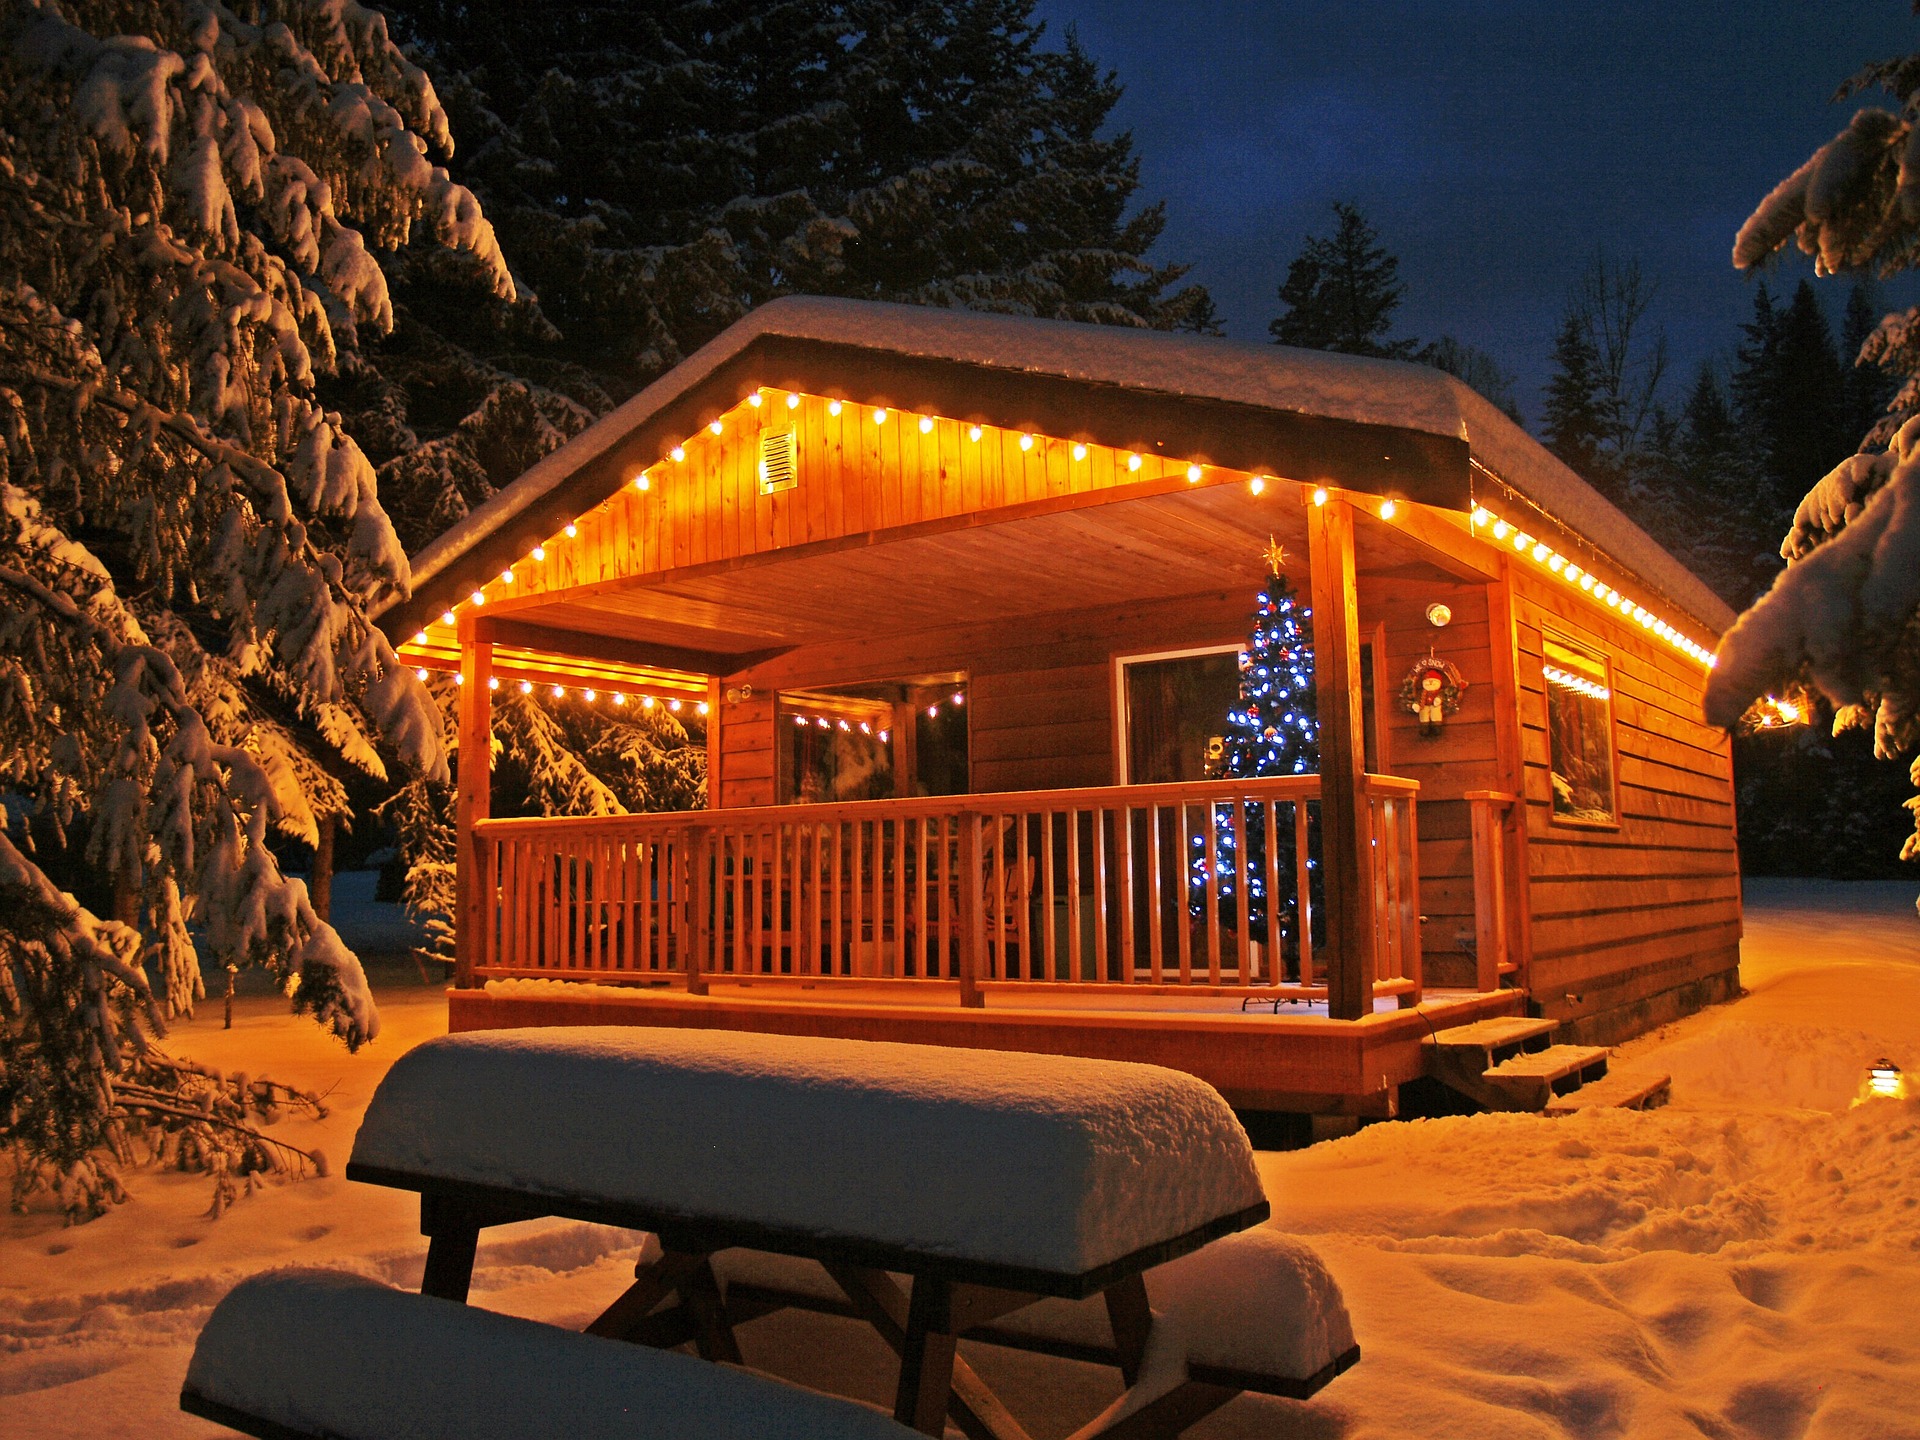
[1202,393]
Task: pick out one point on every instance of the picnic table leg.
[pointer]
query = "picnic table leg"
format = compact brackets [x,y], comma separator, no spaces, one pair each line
[1169,1417]
[689,1274]
[1127,1312]
[453,1235]
[880,1301]
[926,1359]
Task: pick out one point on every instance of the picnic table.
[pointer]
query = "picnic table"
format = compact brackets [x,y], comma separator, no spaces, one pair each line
[942,1191]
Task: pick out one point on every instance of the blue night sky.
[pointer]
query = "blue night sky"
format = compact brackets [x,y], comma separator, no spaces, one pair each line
[1493,146]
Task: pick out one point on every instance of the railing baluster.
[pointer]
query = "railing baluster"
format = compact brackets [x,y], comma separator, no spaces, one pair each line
[1048,922]
[1123,865]
[1097,832]
[1213,893]
[1303,882]
[897,966]
[1076,960]
[1243,902]
[1183,845]
[1157,906]
[1276,958]
[1023,918]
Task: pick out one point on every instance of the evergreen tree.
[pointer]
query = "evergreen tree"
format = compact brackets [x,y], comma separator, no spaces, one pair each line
[1574,414]
[1341,291]
[1274,730]
[1866,390]
[1844,617]
[1710,519]
[190,541]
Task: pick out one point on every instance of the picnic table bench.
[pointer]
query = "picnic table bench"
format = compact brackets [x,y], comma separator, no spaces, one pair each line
[1080,1206]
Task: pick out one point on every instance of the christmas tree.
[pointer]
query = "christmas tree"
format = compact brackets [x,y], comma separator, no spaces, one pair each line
[1273,730]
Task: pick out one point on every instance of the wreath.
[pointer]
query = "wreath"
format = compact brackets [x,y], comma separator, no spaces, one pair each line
[1433,685]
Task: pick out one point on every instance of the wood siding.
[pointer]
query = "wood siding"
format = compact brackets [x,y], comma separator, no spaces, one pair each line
[1635,923]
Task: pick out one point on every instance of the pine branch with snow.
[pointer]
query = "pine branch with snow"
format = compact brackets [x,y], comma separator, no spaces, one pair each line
[191,200]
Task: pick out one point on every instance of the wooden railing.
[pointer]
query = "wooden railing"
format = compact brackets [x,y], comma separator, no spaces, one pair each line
[1166,886]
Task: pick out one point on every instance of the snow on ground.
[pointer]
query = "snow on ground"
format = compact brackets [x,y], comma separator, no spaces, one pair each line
[1741,1263]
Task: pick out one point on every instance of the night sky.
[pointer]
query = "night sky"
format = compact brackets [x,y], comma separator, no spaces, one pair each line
[1493,146]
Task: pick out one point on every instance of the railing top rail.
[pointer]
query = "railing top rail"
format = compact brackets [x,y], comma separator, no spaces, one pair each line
[1192,792]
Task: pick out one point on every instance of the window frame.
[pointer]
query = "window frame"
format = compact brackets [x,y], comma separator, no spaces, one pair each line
[1604,658]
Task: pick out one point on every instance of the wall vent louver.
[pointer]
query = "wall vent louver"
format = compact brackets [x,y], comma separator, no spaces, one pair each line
[777,468]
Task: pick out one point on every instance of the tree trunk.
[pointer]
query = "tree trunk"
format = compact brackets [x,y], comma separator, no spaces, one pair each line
[320,878]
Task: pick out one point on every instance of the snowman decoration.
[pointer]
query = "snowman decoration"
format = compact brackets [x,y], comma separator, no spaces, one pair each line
[1434,687]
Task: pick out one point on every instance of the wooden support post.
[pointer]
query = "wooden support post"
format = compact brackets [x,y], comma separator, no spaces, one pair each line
[1488,811]
[1503,636]
[453,1238]
[1345,820]
[970,884]
[714,761]
[473,883]
[927,1353]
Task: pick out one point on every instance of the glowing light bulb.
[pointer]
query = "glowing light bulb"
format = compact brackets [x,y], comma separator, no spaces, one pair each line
[926,424]
[880,415]
[1541,551]
[493,682]
[538,553]
[1257,484]
[959,697]
[973,433]
[1133,462]
[1026,442]
[1320,496]
[619,699]
[886,734]
[754,400]
[833,407]
[1522,541]
[420,674]
[1387,509]
[643,481]
[1501,529]
[646,702]
[866,728]
[590,694]
[845,726]
[716,427]
[674,705]
[1079,452]
[1556,563]
[1587,583]
[1194,472]
[703,707]
[446,617]
[478,597]
[800,720]
[419,637]
[506,577]
[559,692]
[678,453]
[571,530]
[526,687]
[1481,515]
[793,401]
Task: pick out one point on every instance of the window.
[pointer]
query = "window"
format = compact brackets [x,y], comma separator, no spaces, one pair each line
[1173,709]
[1579,734]
[1174,705]
[872,742]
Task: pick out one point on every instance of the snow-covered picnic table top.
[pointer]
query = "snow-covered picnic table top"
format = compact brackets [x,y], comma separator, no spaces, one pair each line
[1038,1163]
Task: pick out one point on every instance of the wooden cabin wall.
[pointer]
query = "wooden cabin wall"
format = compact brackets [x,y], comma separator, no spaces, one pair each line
[1463,757]
[1635,925]
[1039,689]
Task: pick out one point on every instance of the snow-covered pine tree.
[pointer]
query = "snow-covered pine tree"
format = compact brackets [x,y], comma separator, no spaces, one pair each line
[1844,616]
[1273,730]
[1341,291]
[191,197]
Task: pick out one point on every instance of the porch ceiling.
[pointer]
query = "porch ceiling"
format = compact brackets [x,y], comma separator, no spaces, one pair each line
[1156,547]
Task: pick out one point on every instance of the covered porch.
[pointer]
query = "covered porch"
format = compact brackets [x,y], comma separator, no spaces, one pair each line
[1301,890]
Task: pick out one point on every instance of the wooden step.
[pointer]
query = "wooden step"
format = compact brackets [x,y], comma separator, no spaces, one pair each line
[1498,1033]
[1618,1089]
[1530,1081]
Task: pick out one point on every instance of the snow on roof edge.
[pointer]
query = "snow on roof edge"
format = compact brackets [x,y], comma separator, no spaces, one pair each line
[1346,387]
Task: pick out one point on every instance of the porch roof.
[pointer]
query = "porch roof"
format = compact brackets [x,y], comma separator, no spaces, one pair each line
[1372,426]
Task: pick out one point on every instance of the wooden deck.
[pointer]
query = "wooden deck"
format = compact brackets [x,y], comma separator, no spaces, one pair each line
[1297,1060]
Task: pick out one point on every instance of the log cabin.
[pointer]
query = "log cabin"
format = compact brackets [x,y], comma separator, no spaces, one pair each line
[959,603]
